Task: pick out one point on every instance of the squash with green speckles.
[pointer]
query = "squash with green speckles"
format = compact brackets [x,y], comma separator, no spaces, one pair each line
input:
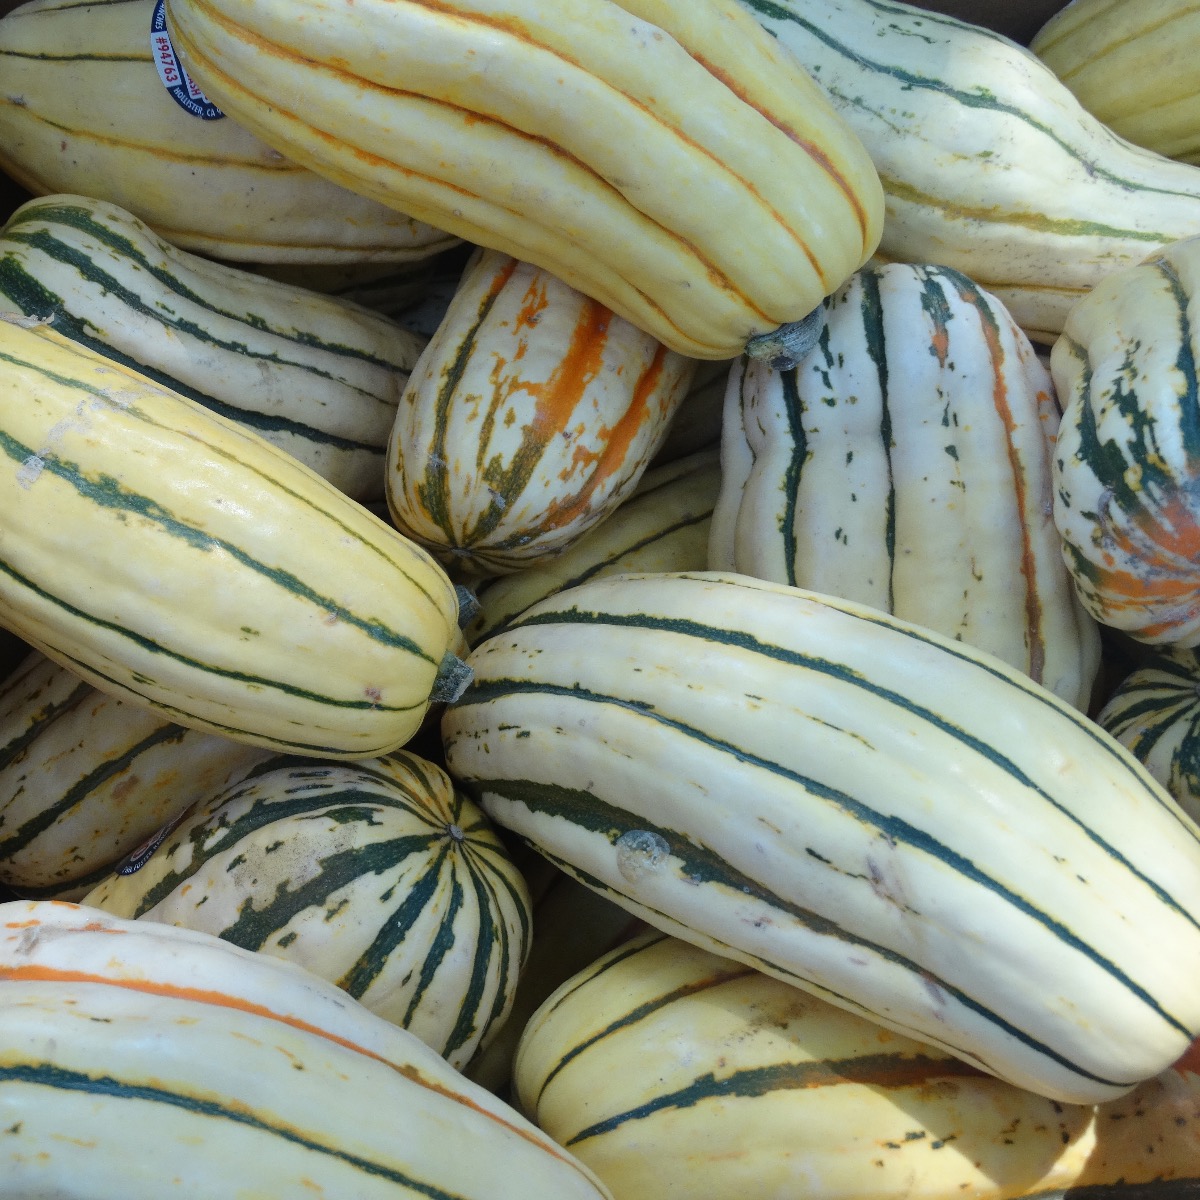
[894,821]
[175,559]
[906,464]
[1127,463]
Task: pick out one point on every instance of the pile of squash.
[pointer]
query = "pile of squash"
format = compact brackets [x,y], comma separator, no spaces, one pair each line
[601,600]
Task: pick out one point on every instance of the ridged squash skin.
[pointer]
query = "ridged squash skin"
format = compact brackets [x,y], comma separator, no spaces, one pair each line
[317,376]
[1125,467]
[85,778]
[527,419]
[143,1062]
[376,875]
[1155,712]
[1133,66]
[668,160]
[896,822]
[906,464]
[988,163]
[672,1071]
[82,110]
[663,526]
[211,576]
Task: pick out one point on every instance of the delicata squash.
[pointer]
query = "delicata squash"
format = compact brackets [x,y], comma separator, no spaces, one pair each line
[671,160]
[172,558]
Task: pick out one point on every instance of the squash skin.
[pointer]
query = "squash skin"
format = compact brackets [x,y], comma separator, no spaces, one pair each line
[667,160]
[922,419]
[214,577]
[894,821]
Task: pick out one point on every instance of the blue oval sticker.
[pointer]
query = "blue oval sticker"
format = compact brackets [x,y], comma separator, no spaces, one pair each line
[175,79]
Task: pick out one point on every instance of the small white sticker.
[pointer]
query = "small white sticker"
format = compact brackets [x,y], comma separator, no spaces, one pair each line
[175,79]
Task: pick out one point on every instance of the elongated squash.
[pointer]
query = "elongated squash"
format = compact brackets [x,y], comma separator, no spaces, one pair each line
[142,1061]
[906,464]
[376,875]
[317,376]
[673,1071]
[82,110]
[1133,66]
[1126,474]
[175,559]
[528,418]
[668,160]
[988,163]
[899,823]
[85,778]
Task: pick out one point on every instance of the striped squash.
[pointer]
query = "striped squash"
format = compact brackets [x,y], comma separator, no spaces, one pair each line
[906,464]
[672,1071]
[316,376]
[1155,712]
[529,416]
[666,159]
[901,824]
[85,778]
[988,163]
[174,559]
[376,875]
[1127,465]
[82,110]
[146,1062]
[663,526]
[1133,67]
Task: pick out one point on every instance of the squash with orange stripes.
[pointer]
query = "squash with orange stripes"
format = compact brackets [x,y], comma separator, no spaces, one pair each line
[1127,467]
[671,160]
[530,415]
[245,1075]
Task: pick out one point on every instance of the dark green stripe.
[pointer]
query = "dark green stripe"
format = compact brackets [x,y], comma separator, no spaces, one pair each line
[721,975]
[700,865]
[82,220]
[16,746]
[1100,741]
[121,687]
[893,828]
[434,490]
[108,1088]
[106,492]
[34,299]
[871,310]
[83,790]
[752,1083]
